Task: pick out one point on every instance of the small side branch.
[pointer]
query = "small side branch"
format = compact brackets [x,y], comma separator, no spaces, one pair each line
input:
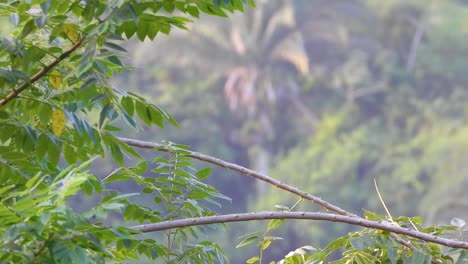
[16,91]
[147,228]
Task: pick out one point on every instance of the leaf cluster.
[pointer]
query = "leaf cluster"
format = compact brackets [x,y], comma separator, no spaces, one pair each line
[57,109]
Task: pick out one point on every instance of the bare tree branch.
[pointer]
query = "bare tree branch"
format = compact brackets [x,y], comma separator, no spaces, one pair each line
[146,228]
[16,91]
[258,176]
[243,170]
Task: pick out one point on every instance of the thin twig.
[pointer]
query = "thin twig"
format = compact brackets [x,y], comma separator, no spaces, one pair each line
[399,239]
[16,91]
[382,201]
[146,228]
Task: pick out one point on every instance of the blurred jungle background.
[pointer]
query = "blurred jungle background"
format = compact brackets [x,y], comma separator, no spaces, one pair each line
[326,95]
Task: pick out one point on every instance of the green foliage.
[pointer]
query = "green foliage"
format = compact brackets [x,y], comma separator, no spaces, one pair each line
[176,192]
[263,240]
[371,246]
[37,226]
[58,111]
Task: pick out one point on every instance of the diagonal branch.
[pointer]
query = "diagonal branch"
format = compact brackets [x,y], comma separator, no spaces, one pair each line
[243,170]
[16,91]
[146,228]
[258,176]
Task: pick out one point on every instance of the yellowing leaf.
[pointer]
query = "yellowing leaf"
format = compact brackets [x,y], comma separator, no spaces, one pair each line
[71,30]
[55,79]
[58,122]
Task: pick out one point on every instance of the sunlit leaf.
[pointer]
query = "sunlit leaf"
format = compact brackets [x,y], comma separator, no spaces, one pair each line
[55,78]
[265,244]
[275,223]
[204,173]
[248,240]
[58,122]
[253,260]
[71,31]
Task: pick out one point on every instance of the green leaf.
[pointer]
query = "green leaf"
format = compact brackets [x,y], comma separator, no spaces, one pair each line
[265,244]
[141,167]
[142,29]
[112,128]
[128,105]
[203,173]
[336,244]
[274,223]
[72,183]
[90,131]
[358,243]
[130,120]
[182,173]
[143,112]
[117,177]
[6,189]
[420,258]
[248,240]
[147,190]
[112,206]
[114,46]
[116,154]
[157,117]
[103,114]
[53,154]
[42,146]
[123,197]
[462,258]
[4,115]
[168,6]
[33,53]
[129,28]
[372,216]
[392,255]
[253,260]
[417,220]
[28,28]
[198,195]
[193,11]
[70,154]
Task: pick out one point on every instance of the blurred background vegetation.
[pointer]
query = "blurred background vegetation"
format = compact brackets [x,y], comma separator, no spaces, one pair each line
[326,95]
